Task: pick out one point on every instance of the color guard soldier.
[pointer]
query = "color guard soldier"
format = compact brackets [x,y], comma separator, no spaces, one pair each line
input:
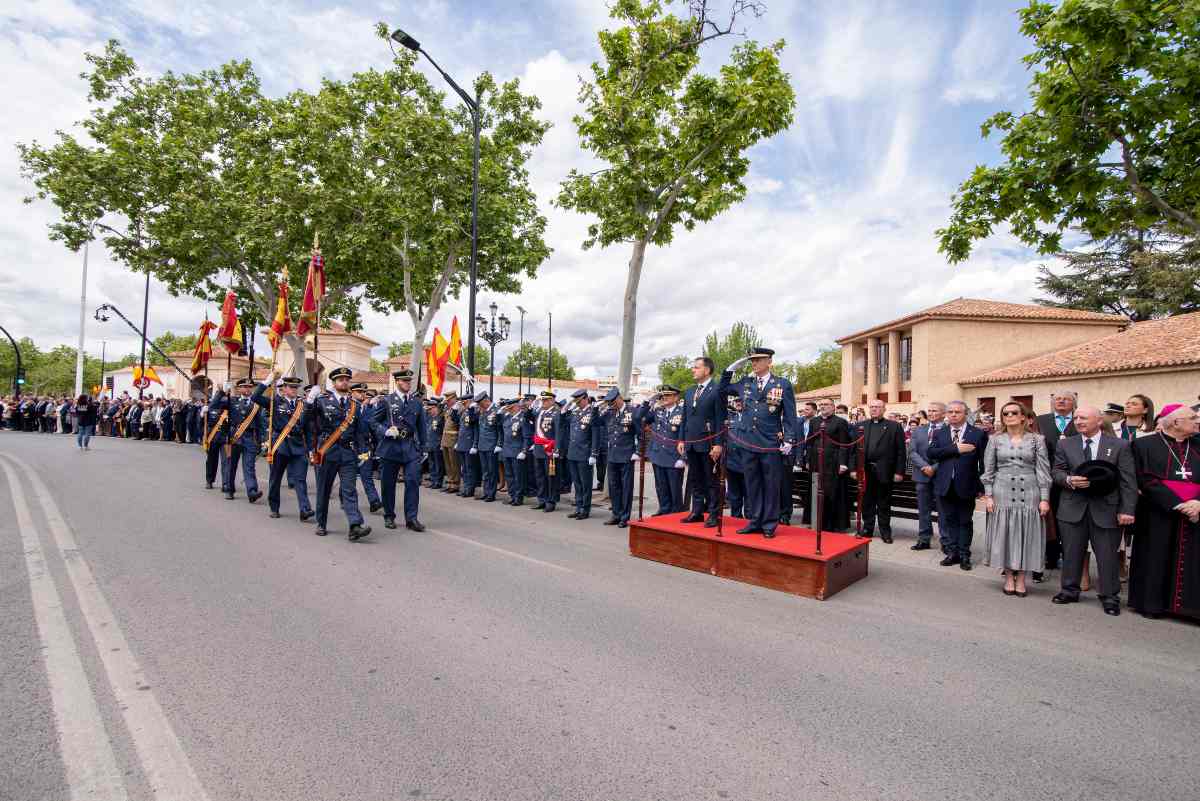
[768,430]
[215,433]
[545,428]
[398,421]
[340,446]
[433,443]
[666,423]
[245,443]
[623,428]
[487,445]
[449,440]
[366,468]
[513,450]
[287,449]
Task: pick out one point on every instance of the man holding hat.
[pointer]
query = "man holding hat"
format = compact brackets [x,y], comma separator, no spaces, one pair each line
[666,424]
[433,442]
[487,446]
[623,427]
[1099,495]
[398,423]
[366,468]
[449,440]
[287,450]
[767,430]
[513,447]
[545,432]
[247,427]
[581,446]
[339,446]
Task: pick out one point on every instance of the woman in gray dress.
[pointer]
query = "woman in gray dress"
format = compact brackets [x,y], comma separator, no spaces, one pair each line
[1016,486]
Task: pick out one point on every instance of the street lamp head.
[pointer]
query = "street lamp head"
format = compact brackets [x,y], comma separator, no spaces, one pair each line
[404,40]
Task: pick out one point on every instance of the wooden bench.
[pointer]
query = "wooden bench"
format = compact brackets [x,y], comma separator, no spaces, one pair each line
[904,495]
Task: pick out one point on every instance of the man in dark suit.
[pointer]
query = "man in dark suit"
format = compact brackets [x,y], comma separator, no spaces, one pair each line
[829,456]
[923,472]
[884,457]
[1093,513]
[1054,426]
[957,450]
[805,419]
[703,417]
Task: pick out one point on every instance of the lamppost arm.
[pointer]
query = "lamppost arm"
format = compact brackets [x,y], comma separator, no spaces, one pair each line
[109,307]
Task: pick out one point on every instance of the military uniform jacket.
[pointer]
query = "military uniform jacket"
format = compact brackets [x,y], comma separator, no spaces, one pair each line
[468,420]
[327,411]
[545,424]
[449,428]
[666,425]
[433,431]
[408,416]
[768,415]
[219,403]
[295,444]
[735,455]
[513,438]
[623,432]
[487,432]
[601,425]
[579,431]
[239,410]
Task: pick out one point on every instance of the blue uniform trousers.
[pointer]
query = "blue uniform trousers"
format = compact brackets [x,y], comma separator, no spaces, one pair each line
[764,472]
[735,492]
[296,468]
[490,464]
[470,473]
[366,472]
[668,485]
[437,469]
[581,484]
[927,503]
[214,456]
[342,466]
[229,471]
[620,489]
[514,472]
[547,485]
[412,487]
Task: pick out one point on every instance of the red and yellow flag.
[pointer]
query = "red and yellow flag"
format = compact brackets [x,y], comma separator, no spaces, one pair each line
[203,351]
[435,361]
[454,354]
[149,374]
[314,290]
[230,332]
[282,324]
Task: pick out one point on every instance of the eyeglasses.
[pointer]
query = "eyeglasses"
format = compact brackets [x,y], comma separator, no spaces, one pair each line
[1010,413]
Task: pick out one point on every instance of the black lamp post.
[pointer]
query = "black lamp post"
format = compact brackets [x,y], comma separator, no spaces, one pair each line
[404,40]
[493,335]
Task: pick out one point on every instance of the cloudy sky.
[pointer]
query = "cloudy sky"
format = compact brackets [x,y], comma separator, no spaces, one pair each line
[836,234]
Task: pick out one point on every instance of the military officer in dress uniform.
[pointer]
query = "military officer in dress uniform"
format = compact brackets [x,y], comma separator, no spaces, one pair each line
[735,461]
[487,445]
[513,450]
[287,450]
[339,446]
[545,428]
[529,405]
[449,440]
[466,417]
[398,421]
[215,434]
[623,429]
[366,468]
[581,446]
[433,442]
[666,424]
[767,430]
[245,442]
[601,424]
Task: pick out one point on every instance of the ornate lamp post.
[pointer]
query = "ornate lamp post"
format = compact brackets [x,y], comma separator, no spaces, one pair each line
[492,334]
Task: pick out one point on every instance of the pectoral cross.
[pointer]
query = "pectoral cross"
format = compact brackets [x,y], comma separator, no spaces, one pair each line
[1184,473]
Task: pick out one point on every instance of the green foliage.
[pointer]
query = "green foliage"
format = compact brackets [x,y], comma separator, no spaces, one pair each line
[733,346]
[533,358]
[51,372]
[676,371]
[399,349]
[823,371]
[170,343]
[1110,141]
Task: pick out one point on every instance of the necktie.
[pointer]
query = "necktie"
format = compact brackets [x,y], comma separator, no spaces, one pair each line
[1061,422]
[1087,449]
[343,403]
[696,395]
[954,436]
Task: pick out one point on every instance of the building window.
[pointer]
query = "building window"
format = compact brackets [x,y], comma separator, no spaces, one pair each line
[906,358]
[883,363]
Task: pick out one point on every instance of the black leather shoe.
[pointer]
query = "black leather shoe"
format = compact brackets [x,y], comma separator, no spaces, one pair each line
[948,561]
[389,522]
[769,533]
[1063,598]
[375,507]
[582,516]
[358,532]
[489,500]
[274,515]
[964,564]
[320,532]
[921,546]
[306,516]
[1039,577]
[694,517]
[414,525]
[573,515]
[208,485]
[539,507]
[253,496]
[1113,609]
[711,522]
[887,538]
[751,529]
[622,524]
[785,520]
[612,521]
[229,496]
[549,508]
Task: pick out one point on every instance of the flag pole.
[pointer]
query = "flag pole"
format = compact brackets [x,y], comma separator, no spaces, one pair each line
[317,328]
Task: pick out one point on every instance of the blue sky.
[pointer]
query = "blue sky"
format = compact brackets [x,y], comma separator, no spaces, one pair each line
[836,233]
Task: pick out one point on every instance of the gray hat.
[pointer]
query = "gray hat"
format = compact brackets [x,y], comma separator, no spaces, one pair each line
[482,396]
[612,395]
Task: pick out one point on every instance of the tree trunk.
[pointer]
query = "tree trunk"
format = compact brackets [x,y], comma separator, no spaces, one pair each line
[420,329]
[299,356]
[629,322]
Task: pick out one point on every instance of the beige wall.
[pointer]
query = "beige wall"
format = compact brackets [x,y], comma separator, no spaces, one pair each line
[1162,387]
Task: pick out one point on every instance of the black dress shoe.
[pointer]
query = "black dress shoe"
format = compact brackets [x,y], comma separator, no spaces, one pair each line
[306,516]
[321,531]
[711,522]
[1039,577]
[274,515]
[751,529]
[948,561]
[1063,598]
[229,496]
[375,507]
[921,546]
[1113,609]
[357,532]
[208,485]
[389,522]
[612,521]
[414,525]
[694,517]
[964,564]
[887,538]
[539,507]
[582,516]
[1152,615]
[549,508]
[622,524]
[769,533]
[785,520]
[573,515]
[489,500]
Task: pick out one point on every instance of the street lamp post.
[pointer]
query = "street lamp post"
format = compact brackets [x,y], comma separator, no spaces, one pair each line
[404,40]
[521,352]
[493,335]
[82,315]
[103,353]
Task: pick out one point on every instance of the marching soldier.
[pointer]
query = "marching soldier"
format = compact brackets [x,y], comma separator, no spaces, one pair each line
[433,442]
[216,431]
[513,447]
[487,445]
[287,449]
[244,444]
[340,446]
[581,446]
[398,422]
[623,428]
[768,430]
[366,468]
[666,422]
[545,430]
[467,417]
[449,440]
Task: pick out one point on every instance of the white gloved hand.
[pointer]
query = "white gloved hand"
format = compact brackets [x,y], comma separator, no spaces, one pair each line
[474,451]
[424,456]
[786,448]
[313,394]
[680,464]
[497,449]
[521,456]
[392,432]
[204,409]
[592,461]
[362,457]
[733,368]
[228,385]
[635,458]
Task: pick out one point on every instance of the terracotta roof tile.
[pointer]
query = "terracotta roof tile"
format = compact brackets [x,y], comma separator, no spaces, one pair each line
[992,310]
[1169,342]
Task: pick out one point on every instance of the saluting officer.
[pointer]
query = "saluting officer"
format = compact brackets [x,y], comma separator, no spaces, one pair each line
[398,420]
[216,432]
[487,445]
[513,447]
[287,449]
[366,468]
[545,428]
[246,441]
[433,442]
[768,428]
[340,446]
[623,429]
[581,446]
[467,418]
[666,423]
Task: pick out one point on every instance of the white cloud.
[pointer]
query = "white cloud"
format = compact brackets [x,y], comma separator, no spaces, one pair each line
[982,59]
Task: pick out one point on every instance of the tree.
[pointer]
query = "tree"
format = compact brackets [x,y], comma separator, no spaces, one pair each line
[533,358]
[399,349]
[52,372]
[1135,273]
[1111,139]
[674,139]
[733,346]
[169,343]
[823,371]
[676,371]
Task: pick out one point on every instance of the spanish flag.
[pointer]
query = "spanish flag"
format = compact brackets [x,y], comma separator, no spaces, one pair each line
[454,353]
[435,361]
[149,374]
[203,350]
[282,323]
[314,290]
[230,332]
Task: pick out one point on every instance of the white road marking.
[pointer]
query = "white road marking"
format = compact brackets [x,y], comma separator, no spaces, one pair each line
[84,745]
[166,766]
[498,550]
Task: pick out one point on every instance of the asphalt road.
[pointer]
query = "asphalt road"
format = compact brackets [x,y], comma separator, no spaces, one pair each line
[162,642]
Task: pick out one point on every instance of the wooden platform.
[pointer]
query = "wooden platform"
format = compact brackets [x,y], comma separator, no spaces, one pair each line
[788,562]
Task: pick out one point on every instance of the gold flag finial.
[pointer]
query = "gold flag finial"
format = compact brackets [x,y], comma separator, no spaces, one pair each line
[316,240]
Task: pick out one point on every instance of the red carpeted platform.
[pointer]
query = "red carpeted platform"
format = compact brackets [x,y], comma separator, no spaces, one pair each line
[788,562]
